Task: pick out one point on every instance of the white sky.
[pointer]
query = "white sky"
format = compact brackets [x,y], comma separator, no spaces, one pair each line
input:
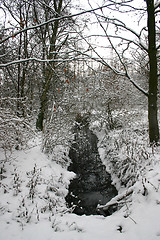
[130,19]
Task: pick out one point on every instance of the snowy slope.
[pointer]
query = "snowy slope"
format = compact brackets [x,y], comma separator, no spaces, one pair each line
[32,204]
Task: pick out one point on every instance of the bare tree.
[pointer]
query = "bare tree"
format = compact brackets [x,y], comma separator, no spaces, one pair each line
[49,31]
[115,28]
[49,37]
[153,74]
[19,75]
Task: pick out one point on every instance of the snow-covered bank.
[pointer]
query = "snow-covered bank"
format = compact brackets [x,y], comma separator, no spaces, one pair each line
[32,204]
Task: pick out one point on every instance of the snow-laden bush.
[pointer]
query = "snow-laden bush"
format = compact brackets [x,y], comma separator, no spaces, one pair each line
[57,136]
[15,130]
[124,150]
[126,155]
[60,155]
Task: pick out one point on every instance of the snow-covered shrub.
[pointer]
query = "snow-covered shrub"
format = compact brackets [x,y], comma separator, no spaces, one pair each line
[112,120]
[126,155]
[60,155]
[107,120]
[16,183]
[57,137]
[125,150]
[15,130]
[34,179]
[26,214]
[56,146]
[57,131]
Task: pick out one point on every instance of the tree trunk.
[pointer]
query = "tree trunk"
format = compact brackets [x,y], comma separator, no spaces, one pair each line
[43,101]
[153,78]
[19,66]
[48,71]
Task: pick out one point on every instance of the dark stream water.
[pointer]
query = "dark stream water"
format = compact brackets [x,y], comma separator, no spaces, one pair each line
[92,185]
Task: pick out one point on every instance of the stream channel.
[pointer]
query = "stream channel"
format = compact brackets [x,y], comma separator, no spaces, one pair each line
[92,185]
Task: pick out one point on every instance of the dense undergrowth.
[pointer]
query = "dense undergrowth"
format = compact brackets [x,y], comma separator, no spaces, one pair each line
[35,183]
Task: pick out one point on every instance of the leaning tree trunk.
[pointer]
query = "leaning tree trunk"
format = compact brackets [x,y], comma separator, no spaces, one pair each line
[153,78]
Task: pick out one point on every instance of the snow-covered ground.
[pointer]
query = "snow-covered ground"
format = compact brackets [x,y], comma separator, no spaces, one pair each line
[32,204]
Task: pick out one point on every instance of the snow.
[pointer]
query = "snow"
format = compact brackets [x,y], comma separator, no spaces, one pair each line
[33,183]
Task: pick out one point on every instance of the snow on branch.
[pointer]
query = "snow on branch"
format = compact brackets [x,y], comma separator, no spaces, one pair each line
[157,4]
[60,60]
[51,21]
[136,86]
[27,60]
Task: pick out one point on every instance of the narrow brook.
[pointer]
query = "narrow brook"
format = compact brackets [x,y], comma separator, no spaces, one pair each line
[92,185]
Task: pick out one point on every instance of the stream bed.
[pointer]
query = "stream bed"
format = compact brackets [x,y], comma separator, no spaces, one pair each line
[92,185]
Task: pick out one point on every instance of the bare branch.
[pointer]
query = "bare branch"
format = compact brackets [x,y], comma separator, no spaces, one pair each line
[137,87]
[120,58]
[50,21]
[157,4]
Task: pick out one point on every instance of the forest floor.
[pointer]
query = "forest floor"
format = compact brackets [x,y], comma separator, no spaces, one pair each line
[32,203]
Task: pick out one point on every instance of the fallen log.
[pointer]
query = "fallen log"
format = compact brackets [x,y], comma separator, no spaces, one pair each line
[116,200]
